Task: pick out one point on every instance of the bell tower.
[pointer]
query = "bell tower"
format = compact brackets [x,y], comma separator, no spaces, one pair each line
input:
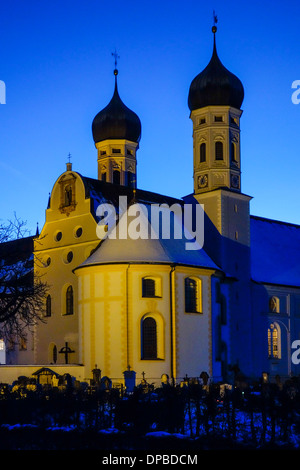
[215,100]
[117,132]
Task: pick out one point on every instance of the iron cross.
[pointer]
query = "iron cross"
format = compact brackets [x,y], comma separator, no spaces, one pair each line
[116,56]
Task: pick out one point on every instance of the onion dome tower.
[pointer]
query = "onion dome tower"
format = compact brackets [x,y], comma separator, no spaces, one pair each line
[116,132]
[215,99]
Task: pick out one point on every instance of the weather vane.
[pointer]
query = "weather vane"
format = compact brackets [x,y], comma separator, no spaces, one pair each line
[116,56]
[215,18]
[69,157]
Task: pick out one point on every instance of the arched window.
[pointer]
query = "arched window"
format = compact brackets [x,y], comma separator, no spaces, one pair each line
[149,338]
[103,176]
[116,177]
[22,343]
[219,150]
[69,301]
[48,306]
[274,304]
[192,295]
[232,152]
[52,353]
[130,179]
[274,341]
[202,152]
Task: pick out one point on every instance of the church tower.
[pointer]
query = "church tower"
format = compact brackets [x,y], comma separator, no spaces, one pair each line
[215,100]
[116,133]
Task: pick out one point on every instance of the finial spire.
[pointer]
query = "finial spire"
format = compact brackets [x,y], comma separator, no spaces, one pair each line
[116,56]
[69,164]
[215,19]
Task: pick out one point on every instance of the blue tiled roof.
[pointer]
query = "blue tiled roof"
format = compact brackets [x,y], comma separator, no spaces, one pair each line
[275,252]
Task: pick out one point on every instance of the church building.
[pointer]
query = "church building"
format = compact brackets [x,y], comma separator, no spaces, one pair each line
[122,295]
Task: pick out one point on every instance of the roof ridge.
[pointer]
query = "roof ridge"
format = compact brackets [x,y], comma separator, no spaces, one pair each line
[266,219]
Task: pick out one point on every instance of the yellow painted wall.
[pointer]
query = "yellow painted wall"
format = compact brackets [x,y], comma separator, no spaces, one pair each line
[112,308]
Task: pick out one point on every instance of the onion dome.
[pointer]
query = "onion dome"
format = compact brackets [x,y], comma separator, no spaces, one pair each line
[116,121]
[215,85]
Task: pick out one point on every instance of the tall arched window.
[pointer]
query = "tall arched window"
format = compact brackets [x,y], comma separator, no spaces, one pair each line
[232,152]
[69,301]
[130,179]
[202,152]
[149,338]
[48,306]
[219,150]
[274,341]
[52,353]
[192,295]
[116,177]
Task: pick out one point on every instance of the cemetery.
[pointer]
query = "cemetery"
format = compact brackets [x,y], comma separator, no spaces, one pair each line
[49,411]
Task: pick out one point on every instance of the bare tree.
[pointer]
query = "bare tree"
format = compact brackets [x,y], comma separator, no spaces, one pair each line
[22,295]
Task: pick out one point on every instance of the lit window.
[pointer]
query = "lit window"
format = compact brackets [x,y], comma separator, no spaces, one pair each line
[149,338]
[22,344]
[274,341]
[192,295]
[274,304]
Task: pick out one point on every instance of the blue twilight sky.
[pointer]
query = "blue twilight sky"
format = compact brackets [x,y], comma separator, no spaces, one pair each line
[56,62]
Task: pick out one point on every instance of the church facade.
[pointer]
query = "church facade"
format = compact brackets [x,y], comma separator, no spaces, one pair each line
[145,302]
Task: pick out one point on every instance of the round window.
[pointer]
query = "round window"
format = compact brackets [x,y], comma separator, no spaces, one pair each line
[78,232]
[58,236]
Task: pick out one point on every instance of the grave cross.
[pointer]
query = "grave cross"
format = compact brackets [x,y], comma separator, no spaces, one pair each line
[66,350]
